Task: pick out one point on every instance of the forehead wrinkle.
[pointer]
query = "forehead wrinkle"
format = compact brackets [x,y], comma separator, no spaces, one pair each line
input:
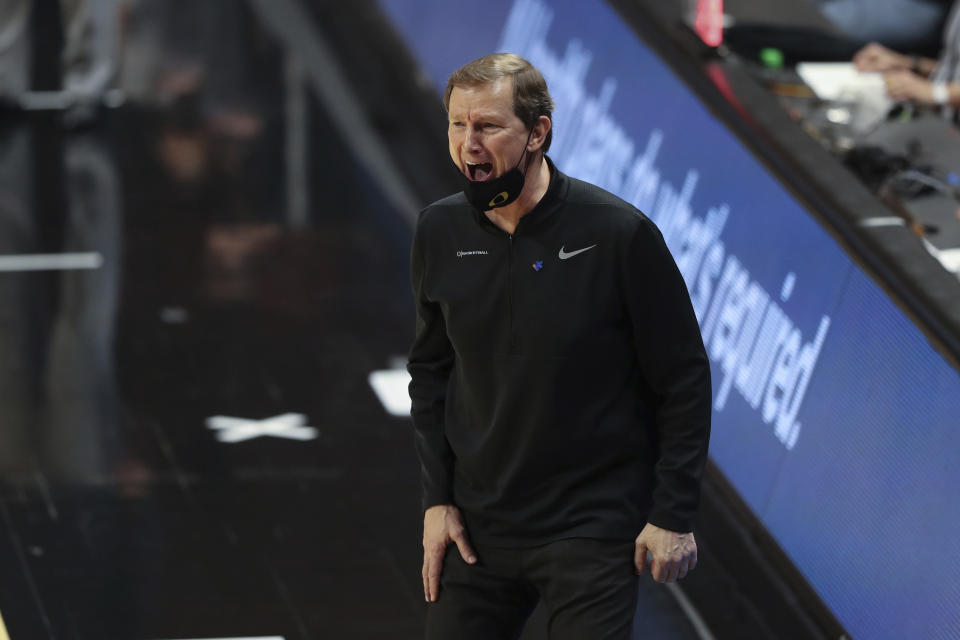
[474,115]
[483,102]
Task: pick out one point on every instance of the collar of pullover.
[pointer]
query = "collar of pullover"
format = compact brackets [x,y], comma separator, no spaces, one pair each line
[549,203]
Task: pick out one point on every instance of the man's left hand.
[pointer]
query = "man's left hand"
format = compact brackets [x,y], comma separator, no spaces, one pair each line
[674,554]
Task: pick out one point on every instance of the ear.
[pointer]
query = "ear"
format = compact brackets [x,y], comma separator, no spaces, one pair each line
[539,134]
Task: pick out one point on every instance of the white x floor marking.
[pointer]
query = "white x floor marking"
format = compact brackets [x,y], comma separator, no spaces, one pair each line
[288,425]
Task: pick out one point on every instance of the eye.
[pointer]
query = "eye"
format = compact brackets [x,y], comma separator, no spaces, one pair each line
[456,123]
[490,125]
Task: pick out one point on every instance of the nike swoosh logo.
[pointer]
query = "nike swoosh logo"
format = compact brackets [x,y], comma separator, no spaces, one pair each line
[564,255]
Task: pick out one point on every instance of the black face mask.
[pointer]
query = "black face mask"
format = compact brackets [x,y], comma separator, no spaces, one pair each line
[499,191]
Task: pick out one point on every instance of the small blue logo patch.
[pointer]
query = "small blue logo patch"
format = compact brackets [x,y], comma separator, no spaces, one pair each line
[538,265]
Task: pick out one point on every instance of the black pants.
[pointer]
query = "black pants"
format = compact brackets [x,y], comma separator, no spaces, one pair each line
[589,589]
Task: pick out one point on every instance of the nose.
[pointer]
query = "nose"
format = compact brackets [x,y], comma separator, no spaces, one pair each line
[472,140]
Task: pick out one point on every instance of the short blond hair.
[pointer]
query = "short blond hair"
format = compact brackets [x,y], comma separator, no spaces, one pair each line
[531,99]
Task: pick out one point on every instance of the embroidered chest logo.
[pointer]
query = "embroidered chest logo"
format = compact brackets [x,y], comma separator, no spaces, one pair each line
[461,254]
[564,255]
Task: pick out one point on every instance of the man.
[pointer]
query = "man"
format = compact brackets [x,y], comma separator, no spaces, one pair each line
[560,388]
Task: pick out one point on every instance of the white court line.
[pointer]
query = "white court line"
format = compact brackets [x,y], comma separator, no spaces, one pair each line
[701,628]
[50,261]
[3,630]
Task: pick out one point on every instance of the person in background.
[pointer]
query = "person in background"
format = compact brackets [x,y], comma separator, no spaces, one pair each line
[916,79]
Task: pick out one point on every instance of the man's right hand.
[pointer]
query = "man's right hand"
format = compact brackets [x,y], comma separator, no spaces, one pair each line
[876,57]
[442,525]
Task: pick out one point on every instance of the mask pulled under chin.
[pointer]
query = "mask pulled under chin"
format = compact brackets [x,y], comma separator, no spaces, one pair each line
[497,192]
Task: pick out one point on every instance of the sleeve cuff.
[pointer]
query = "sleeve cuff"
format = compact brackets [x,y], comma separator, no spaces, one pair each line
[670,522]
[433,498]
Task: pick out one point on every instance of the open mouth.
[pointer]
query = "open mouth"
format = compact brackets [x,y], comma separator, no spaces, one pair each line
[480,171]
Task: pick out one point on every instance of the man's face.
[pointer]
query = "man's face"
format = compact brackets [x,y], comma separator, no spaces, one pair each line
[486,137]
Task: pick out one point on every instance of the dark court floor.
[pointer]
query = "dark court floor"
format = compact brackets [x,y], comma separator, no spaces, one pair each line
[189,443]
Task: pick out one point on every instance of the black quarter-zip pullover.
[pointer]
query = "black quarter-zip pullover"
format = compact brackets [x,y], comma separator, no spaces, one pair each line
[559,382]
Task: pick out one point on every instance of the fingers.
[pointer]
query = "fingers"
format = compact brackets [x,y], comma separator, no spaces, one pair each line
[672,554]
[640,557]
[867,57]
[441,526]
[424,574]
[687,565]
[432,567]
[899,86]
[863,61]
[664,570]
[875,57]
[672,569]
[871,62]
[466,552]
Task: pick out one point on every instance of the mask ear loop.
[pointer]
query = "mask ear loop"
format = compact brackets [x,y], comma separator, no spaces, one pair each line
[529,135]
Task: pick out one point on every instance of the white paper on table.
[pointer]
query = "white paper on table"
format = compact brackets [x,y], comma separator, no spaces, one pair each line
[831,80]
[841,82]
